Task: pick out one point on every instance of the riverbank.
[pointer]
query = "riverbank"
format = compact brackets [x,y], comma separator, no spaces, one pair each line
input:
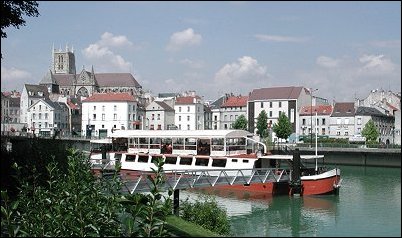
[355,156]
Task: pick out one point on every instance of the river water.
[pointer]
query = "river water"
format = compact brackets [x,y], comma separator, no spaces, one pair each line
[368,204]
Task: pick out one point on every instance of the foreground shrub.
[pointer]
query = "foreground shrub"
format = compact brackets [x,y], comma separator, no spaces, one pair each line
[206,213]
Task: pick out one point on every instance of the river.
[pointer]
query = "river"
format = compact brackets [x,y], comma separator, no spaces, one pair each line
[368,204]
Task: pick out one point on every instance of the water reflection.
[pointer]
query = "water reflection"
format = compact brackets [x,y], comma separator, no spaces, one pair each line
[278,215]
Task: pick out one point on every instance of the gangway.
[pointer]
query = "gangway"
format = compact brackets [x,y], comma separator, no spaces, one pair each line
[183,179]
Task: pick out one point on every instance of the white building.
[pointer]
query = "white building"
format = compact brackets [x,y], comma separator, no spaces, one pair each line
[315,117]
[274,101]
[342,120]
[189,113]
[104,112]
[30,95]
[159,116]
[46,117]
[231,109]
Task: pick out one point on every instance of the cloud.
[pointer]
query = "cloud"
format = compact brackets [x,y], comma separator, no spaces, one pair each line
[327,62]
[276,38]
[108,40]
[106,60]
[13,78]
[353,76]
[387,44]
[242,75]
[376,64]
[183,39]
[192,63]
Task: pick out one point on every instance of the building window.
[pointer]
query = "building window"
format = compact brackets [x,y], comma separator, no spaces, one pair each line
[103,117]
[159,127]
[159,117]
[188,127]
[94,108]
[270,104]
[152,127]
[216,118]
[103,108]
[40,116]
[262,105]
[46,116]
[179,127]
[188,118]
[179,118]
[115,108]
[115,116]
[323,121]
[94,116]
[303,122]
[270,113]
[280,104]
[179,109]
[188,109]
[40,107]
[359,121]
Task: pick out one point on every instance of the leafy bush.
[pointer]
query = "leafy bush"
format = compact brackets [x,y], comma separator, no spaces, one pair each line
[206,213]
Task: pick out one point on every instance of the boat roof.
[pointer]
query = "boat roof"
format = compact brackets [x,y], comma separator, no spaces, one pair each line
[101,141]
[290,157]
[182,133]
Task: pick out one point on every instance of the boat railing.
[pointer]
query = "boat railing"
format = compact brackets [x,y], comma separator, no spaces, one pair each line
[182,179]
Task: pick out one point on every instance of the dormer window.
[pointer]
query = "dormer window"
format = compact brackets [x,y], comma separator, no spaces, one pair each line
[40,94]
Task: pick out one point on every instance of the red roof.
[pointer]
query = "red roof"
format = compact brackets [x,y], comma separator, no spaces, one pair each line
[392,107]
[110,97]
[236,101]
[187,100]
[320,109]
[72,105]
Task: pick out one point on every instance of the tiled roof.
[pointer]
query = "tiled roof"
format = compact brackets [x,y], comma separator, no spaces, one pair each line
[392,107]
[72,105]
[369,111]
[275,93]
[64,79]
[236,101]
[110,97]
[103,79]
[116,80]
[186,100]
[343,109]
[320,109]
[164,106]
[35,89]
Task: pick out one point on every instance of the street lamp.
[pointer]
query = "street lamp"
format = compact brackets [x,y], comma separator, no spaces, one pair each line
[311,116]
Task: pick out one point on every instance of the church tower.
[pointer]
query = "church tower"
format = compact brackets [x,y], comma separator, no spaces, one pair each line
[63,61]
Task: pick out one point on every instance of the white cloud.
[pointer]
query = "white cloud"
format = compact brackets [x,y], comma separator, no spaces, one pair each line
[327,62]
[183,39]
[13,78]
[107,39]
[387,44]
[276,38]
[106,60]
[242,75]
[192,63]
[354,77]
[376,63]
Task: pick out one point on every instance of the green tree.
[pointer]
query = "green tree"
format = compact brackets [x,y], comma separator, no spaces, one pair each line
[240,123]
[370,131]
[283,128]
[12,14]
[262,125]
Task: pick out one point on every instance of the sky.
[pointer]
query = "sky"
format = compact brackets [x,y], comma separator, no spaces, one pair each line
[343,49]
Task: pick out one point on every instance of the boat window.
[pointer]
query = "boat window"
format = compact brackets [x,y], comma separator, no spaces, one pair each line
[186,160]
[202,161]
[178,143]
[217,144]
[120,144]
[143,142]
[117,157]
[203,147]
[171,160]
[190,144]
[143,158]
[130,158]
[233,144]
[218,162]
[234,160]
[155,158]
[155,143]
[245,161]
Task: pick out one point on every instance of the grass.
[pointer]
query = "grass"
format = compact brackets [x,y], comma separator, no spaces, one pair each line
[183,228]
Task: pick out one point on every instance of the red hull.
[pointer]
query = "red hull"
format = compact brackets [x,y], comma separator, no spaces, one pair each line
[320,186]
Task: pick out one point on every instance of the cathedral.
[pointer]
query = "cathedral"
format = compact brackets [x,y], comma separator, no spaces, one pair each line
[62,79]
